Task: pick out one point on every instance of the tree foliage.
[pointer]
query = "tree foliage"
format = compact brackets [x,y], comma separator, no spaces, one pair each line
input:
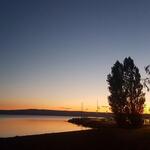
[146,81]
[126,97]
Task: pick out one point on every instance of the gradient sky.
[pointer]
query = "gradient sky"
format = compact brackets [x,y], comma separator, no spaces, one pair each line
[56,54]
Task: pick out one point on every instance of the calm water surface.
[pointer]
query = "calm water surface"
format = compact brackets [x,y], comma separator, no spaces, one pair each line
[15,125]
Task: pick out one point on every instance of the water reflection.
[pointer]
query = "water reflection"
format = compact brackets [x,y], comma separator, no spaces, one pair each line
[146,121]
[28,125]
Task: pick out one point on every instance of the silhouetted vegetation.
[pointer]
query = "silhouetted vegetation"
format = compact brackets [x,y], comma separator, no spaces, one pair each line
[146,82]
[126,97]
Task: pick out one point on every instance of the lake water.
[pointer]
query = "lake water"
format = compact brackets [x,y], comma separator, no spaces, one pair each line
[18,125]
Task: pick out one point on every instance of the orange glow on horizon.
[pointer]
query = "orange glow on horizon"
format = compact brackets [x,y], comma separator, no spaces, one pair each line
[102,109]
[69,104]
[90,104]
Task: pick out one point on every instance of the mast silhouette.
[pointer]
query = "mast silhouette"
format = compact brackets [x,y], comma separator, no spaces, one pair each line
[97,108]
[82,108]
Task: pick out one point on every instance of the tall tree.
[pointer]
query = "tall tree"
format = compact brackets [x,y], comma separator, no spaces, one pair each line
[126,97]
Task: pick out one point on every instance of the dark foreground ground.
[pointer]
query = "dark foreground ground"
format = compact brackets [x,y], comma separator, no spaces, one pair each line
[110,138]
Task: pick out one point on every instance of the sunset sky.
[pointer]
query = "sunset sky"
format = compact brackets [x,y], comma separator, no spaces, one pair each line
[55,54]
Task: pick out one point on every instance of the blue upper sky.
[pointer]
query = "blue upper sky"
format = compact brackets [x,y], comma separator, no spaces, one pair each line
[55,52]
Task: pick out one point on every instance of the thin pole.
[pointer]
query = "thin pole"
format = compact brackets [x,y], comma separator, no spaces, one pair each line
[97,105]
[82,108]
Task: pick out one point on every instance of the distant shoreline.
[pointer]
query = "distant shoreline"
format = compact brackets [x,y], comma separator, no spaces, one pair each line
[45,112]
[54,113]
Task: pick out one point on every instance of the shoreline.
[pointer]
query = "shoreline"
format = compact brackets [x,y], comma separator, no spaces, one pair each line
[103,138]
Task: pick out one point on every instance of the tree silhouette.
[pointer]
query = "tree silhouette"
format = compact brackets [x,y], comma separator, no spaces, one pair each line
[126,97]
[146,81]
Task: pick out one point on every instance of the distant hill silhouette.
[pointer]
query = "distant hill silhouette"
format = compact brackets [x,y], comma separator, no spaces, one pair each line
[59,113]
[53,113]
